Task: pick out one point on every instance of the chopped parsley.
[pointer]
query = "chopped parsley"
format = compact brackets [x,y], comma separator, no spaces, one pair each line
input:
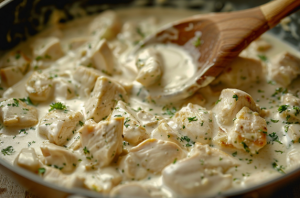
[236,97]
[218,101]
[198,42]
[58,106]
[175,160]
[277,167]
[283,108]
[191,119]
[81,123]
[245,147]
[85,150]
[274,121]
[262,57]
[234,154]
[41,171]
[274,137]
[8,150]
[297,109]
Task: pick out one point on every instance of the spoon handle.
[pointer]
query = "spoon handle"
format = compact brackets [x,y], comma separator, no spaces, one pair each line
[277,10]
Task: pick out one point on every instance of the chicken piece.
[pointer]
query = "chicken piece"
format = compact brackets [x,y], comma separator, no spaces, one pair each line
[293,131]
[293,158]
[16,59]
[285,68]
[11,75]
[131,33]
[130,190]
[151,155]
[28,159]
[150,67]
[165,132]
[104,180]
[242,71]
[39,86]
[55,176]
[195,122]
[102,140]
[103,99]
[197,99]
[106,25]
[47,49]
[249,132]
[59,157]
[230,102]
[290,108]
[58,125]
[133,131]
[14,112]
[64,89]
[203,173]
[86,77]
[98,56]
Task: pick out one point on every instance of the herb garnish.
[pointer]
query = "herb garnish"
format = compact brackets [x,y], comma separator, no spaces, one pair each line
[58,106]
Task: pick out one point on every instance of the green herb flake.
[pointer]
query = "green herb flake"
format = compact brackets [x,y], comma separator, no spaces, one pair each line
[236,97]
[191,119]
[274,121]
[81,123]
[8,150]
[58,106]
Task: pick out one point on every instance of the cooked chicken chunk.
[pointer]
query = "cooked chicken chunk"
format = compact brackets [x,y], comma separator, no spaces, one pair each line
[58,125]
[230,102]
[16,59]
[130,190]
[103,99]
[47,49]
[293,131]
[241,71]
[151,155]
[11,75]
[133,130]
[194,122]
[107,25]
[290,108]
[39,86]
[57,177]
[249,132]
[293,158]
[28,159]
[150,67]
[203,173]
[14,112]
[285,68]
[131,33]
[86,77]
[59,157]
[165,132]
[104,180]
[102,140]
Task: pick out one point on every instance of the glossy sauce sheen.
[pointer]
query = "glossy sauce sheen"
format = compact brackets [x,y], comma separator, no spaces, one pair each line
[271,161]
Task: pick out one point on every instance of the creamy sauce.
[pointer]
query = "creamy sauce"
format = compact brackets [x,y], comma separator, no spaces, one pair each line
[176,68]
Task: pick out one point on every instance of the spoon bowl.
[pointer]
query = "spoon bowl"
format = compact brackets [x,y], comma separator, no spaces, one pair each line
[214,40]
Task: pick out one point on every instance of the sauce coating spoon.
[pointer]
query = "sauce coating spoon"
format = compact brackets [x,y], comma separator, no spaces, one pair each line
[218,38]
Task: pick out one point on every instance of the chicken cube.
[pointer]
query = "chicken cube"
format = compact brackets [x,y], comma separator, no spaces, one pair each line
[86,77]
[165,132]
[293,131]
[131,33]
[59,157]
[249,132]
[150,67]
[14,112]
[103,99]
[102,140]
[98,56]
[28,159]
[230,102]
[47,49]
[39,86]
[104,181]
[242,71]
[11,75]
[151,155]
[55,176]
[107,25]
[285,68]
[194,122]
[16,59]
[133,130]
[293,158]
[203,173]
[290,108]
[58,125]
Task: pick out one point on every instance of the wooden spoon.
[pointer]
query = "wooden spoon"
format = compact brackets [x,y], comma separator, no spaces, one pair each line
[223,37]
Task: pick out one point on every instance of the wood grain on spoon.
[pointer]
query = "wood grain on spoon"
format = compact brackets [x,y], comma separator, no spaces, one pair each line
[223,35]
